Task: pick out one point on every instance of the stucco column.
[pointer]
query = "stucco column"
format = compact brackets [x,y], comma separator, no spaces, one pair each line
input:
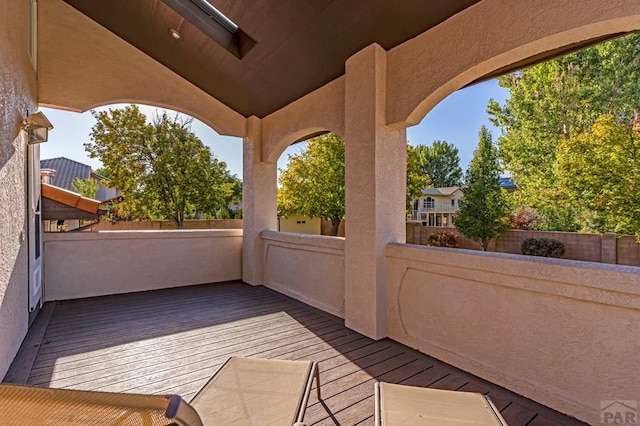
[375,158]
[258,201]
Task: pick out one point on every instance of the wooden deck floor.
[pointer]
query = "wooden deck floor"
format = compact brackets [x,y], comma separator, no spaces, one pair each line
[172,341]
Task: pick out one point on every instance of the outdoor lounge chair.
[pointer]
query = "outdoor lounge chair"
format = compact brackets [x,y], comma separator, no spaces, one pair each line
[257,391]
[242,391]
[410,405]
[30,405]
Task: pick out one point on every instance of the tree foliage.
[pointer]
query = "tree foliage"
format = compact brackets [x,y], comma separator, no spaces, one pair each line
[313,182]
[482,214]
[417,179]
[162,168]
[102,171]
[85,187]
[601,168]
[553,102]
[440,161]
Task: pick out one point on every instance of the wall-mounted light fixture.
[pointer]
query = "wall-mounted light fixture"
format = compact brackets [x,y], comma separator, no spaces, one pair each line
[37,127]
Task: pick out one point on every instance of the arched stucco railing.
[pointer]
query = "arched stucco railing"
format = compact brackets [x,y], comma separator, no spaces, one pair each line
[426,69]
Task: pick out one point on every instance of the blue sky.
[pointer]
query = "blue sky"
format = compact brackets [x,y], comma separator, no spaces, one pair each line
[457,119]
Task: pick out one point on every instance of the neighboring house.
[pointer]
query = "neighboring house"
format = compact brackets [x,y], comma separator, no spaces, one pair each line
[507,184]
[59,173]
[66,171]
[437,206]
[64,210]
[300,224]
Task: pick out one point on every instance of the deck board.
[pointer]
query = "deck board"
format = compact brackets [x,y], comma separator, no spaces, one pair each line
[172,341]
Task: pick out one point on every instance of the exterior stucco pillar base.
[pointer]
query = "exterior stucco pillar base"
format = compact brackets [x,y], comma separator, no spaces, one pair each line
[375,158]
[258,202]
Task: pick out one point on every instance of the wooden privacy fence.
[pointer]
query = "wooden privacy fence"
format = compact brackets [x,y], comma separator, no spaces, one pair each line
[602,248]
[158,225]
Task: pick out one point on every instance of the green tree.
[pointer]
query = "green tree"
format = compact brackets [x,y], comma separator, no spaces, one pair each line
[440,161]
[601,168]
[223,213]
[552,102]
[102,171]
[481,216]
[162,168]
[417,180]
[85,187]
[313,182]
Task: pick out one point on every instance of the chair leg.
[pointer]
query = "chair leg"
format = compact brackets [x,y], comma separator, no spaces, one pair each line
[318,381]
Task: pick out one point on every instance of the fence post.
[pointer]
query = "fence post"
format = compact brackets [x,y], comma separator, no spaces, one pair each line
[609,254]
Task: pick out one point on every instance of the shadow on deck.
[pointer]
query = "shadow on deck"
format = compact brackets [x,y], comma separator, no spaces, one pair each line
[172,341]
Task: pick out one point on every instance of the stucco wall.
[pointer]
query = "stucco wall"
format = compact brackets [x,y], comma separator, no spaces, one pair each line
[561,332]
[309,268]
[111,262]
[17,94]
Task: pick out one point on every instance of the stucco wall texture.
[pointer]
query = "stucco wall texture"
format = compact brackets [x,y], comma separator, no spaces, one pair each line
[319,259]
[562,332]
[87,264]
[17,94]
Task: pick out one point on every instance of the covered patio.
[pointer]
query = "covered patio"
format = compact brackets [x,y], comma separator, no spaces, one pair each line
[171,341]
[564,334]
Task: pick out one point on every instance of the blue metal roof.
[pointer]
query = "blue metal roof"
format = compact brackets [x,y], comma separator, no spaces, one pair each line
[507,183]
[66,171]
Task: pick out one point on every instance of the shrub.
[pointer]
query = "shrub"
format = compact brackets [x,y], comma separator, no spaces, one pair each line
[443,239]
[545,247]
[223,213]
[525,218]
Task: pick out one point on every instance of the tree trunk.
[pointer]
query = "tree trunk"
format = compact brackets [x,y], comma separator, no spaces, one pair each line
[335,225]
[485,243]
[178,221]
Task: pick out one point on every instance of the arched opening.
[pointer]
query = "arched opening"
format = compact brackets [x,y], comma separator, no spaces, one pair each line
[145,165]
[562,130]
[551,33]
[311,186]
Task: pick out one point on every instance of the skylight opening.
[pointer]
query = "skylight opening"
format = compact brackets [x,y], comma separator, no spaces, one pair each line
[216,15]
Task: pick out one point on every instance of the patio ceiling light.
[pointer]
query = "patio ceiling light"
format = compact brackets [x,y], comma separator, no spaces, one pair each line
[175,34]
[214,24]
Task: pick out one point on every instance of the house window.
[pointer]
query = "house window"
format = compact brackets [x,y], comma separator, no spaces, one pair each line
[428,203]
[32,32]
[453,202]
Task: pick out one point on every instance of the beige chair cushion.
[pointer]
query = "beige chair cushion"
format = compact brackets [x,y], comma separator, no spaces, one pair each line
[252,391]
[409,405]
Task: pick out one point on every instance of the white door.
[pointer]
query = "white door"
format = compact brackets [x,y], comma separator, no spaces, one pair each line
[34,227]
